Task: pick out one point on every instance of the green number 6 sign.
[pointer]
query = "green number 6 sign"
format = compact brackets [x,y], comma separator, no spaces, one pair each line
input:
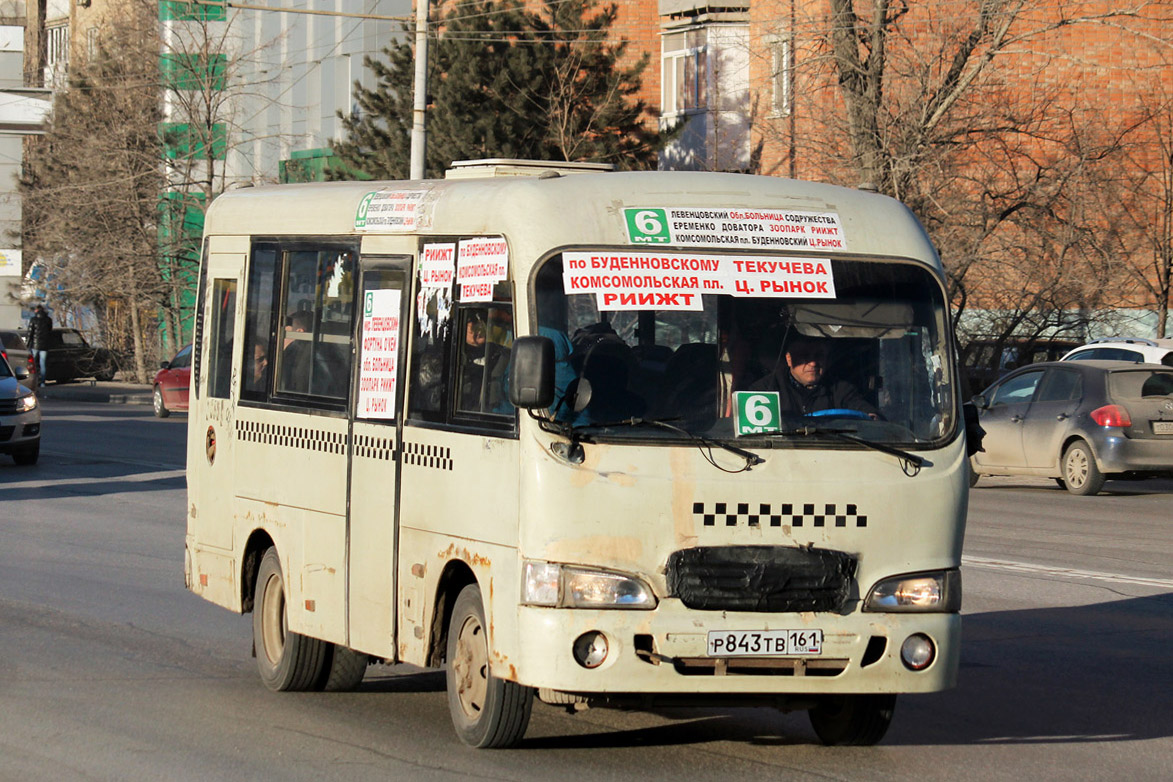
[757,411]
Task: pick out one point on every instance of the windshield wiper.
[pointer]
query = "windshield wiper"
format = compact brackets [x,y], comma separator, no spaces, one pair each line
[751,459]
[910,462]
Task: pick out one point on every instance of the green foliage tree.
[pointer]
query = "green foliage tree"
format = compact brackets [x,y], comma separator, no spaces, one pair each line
[505,81]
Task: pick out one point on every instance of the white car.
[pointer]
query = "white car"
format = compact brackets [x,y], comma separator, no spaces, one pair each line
[20,416]
[1134,349]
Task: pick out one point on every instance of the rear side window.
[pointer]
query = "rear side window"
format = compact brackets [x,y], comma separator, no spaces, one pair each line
[1060,386]
[1107,354]
[13,341]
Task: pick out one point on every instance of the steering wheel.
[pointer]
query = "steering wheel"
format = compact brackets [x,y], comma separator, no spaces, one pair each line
[838,412]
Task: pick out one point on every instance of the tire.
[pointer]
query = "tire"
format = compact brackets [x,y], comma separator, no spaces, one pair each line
[973,475]
[106,374]
[345,670]
[28,456]
[853,720]
[486,711]
[287,661]
[1080,472]
[160,406]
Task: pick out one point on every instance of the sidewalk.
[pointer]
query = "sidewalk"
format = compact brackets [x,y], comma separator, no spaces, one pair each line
[113,392]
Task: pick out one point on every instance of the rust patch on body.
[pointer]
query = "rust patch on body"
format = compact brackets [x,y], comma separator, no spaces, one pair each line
[463,554]
[419,570]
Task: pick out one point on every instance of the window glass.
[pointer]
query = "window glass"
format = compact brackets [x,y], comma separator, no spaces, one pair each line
[1138,385]
[429,359]
[1017,389]
[260,323]
[182,359]
[71,339]
[1060,386]
[882,342]
[223,328]
[482,360]
[314,348]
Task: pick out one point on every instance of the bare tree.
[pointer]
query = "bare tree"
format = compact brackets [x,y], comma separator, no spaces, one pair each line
[91,188]
[945,107]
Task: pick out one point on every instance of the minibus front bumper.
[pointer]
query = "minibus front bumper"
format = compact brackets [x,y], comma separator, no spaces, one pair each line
[665,651]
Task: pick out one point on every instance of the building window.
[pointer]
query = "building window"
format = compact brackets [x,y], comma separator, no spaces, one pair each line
[685,71]
[780,78]
[57,45]
[92,43]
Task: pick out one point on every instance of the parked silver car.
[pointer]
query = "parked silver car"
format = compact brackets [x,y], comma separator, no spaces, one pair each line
[20,416]
[1079,422]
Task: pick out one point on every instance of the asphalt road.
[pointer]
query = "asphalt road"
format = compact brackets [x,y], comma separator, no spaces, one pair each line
[109,669]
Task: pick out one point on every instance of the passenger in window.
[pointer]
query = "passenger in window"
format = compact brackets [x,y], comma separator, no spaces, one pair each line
[802,385]
[296,353]
[260,367]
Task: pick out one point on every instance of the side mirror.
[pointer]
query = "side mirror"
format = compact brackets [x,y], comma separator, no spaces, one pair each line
[531,372]
[21,372]
[974,433]
[980,402]
[164,365]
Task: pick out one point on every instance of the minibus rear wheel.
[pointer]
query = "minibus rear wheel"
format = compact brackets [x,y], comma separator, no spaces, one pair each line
[287,661]
[852,720]
[486,711]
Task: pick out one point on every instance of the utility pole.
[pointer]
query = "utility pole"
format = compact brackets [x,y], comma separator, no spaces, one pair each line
[419,136]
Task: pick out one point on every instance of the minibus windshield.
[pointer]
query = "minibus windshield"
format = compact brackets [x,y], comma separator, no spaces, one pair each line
[868,358]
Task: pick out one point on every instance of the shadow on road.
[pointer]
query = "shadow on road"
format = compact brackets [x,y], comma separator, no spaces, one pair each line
[1086,674]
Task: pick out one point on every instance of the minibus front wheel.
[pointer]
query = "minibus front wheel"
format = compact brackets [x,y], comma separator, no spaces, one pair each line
[287,661]
[852,720]
[486,711]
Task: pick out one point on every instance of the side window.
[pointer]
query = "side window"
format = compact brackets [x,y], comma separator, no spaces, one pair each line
[182,359]
[429,354]
[259,323]
[220,338]
[1016,389]
[486,340]
[1061,386]
[462,334]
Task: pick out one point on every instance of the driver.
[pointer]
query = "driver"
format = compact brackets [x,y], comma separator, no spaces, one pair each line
[801,386]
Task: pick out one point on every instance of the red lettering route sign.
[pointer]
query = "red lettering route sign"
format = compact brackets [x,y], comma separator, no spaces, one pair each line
[628,281]
[380,354]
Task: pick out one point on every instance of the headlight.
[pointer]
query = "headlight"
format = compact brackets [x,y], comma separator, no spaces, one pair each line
[563,586]
[936,592]
[26,403]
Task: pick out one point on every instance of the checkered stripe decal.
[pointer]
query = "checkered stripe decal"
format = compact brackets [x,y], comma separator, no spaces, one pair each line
[380,448]
[807,514]
[436,457]
[292,437]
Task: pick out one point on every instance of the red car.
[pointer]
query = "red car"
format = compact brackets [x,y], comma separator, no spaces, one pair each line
[171,383]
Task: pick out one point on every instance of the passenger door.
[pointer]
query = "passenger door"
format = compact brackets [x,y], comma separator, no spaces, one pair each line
[1003,418]
[376,453]
[1049,418]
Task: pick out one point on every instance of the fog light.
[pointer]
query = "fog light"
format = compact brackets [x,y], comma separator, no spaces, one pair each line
[590,649]
[917,652]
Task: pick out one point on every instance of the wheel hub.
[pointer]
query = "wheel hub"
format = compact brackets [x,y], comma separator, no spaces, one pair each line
[471,668]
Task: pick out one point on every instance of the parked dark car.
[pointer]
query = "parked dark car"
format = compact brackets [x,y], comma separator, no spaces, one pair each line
[71,357]
[1079,422]
[171,383]
[13,348]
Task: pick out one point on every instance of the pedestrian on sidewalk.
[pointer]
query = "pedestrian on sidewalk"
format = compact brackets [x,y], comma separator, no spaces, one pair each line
[40,329]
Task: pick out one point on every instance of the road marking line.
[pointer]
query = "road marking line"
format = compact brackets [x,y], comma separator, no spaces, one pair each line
[1063,572]
[141,477]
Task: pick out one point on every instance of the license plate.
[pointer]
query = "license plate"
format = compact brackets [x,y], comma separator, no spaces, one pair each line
[764,643]
[1162,427]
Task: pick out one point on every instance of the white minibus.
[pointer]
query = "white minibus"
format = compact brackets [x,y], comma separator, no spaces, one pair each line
[597,438]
